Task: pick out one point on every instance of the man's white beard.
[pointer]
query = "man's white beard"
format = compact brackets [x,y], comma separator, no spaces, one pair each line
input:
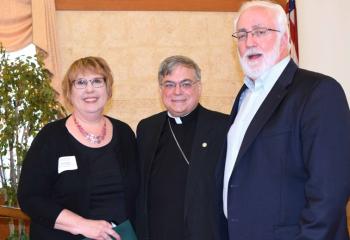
[255,68]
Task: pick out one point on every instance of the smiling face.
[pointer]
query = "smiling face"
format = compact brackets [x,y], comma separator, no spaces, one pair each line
[259,54]
[181,101]
[89,100]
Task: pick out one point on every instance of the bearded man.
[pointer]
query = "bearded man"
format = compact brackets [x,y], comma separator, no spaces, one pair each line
[285,169]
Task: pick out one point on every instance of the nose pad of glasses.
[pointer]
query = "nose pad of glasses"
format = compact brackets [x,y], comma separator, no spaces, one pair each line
[178,88]
[250,39]
[89,86]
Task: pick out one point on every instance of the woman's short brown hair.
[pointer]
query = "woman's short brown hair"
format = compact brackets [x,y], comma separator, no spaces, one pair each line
[96,65]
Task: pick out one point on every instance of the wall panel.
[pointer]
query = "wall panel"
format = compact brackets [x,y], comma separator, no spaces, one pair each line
[134,43]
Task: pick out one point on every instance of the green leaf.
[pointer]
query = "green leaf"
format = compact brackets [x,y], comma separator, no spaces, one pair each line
[27,103]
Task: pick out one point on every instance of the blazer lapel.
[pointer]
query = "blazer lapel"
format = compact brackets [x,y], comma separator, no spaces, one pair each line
[273,99]
[234,110]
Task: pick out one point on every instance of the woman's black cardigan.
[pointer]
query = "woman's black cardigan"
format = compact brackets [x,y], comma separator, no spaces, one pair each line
[43,193]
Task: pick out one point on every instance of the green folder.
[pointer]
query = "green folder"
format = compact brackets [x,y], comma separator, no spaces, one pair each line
[125,230]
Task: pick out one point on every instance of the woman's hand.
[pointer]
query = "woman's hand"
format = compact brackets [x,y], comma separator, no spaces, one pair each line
[98,229]
[94,229]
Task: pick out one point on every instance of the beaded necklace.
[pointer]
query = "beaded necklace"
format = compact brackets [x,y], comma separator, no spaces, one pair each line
[89,136]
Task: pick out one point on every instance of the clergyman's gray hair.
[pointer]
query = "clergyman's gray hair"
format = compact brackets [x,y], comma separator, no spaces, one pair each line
[170,63]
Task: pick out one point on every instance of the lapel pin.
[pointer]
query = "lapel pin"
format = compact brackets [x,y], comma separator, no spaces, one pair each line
[204,144]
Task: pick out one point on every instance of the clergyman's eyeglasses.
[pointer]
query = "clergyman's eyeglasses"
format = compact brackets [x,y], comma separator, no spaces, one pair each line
[184,85]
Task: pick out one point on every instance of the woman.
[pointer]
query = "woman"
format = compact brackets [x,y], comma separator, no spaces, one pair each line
[79,176]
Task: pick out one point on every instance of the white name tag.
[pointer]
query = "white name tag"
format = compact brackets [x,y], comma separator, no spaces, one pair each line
[67,163]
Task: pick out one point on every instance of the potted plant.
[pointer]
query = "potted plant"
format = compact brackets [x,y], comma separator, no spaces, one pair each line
[27,103]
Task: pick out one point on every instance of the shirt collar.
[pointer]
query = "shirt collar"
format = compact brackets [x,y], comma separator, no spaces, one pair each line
[268,78]
[177,119]
[186,118]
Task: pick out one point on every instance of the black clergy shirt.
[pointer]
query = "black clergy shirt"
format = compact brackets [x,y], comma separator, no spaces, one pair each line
[168,179]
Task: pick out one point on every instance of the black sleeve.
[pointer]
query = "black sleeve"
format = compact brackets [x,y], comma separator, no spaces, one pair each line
[36,180]
[325,141]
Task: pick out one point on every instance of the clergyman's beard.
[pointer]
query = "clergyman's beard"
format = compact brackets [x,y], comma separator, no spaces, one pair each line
[255,68]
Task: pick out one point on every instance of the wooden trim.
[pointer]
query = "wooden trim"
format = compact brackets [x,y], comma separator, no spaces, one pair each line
[10,212]
[152,5]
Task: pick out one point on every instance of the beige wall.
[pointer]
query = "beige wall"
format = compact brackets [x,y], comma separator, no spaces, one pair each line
[134,43]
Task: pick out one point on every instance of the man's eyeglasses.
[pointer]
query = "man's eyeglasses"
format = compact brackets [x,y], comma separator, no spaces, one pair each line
[82,83]
[257,32]
[184,85]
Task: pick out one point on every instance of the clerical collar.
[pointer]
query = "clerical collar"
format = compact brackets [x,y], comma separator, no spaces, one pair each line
[185,118]
[177,119]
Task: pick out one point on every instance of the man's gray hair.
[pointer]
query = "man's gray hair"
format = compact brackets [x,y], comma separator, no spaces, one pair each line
[282,19]
[169,64]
